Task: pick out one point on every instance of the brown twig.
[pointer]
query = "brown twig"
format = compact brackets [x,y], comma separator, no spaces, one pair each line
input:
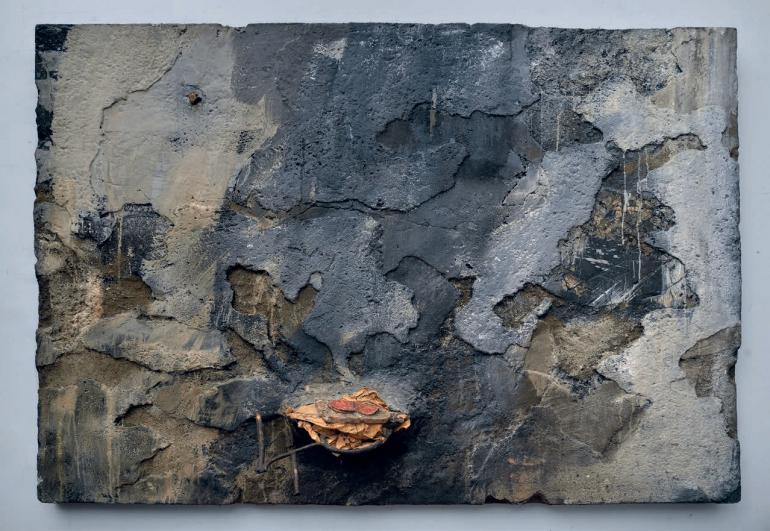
[261,438]
[262,466]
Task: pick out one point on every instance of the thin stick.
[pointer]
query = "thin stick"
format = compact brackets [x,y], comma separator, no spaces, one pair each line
[288,454]
[261,438]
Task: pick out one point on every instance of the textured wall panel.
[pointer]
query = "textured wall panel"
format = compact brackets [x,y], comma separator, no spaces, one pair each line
[526,239]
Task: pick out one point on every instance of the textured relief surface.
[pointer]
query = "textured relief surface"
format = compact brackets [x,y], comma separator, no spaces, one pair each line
[526,239]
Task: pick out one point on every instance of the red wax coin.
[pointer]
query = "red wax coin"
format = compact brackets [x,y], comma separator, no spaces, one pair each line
[366,409]
[343,406]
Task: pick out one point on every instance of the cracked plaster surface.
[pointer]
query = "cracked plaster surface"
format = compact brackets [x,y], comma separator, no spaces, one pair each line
[526,238]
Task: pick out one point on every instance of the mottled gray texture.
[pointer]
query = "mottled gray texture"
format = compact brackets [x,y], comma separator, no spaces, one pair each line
[526,238]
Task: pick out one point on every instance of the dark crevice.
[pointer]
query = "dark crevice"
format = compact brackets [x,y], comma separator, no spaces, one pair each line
[537,497]
[132,409]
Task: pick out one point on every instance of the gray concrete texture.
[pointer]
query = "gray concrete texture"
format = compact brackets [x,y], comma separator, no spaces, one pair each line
[525,238]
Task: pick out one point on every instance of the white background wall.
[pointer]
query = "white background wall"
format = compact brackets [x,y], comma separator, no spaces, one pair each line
[19,508]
